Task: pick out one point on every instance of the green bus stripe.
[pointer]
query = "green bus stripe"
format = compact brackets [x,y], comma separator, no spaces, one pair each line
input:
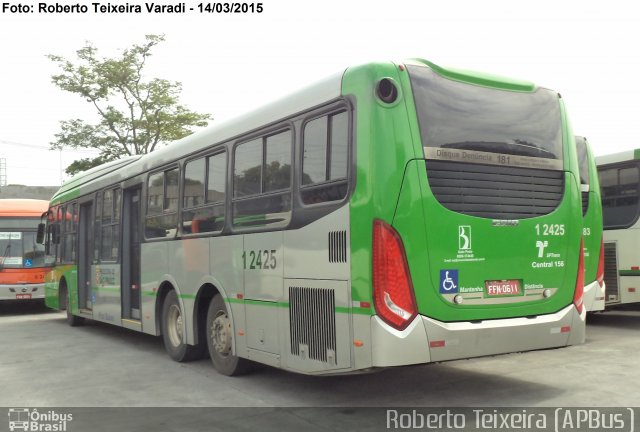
[629,272]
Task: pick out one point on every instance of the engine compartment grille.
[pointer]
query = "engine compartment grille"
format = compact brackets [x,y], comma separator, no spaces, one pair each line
[313,323]
[494,191]
[611,272]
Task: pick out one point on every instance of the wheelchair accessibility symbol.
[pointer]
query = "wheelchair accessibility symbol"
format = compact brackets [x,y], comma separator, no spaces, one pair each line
[448,281]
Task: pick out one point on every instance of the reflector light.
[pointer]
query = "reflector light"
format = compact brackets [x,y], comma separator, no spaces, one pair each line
[579,291]
[565,329]
[635,267]
[600,273]
[632,290]
[393,295]
[436,344]
[366,305]
[358,343]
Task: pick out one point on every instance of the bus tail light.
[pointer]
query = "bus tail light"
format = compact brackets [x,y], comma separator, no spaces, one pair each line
[600,274]
[392,288]
[578,295]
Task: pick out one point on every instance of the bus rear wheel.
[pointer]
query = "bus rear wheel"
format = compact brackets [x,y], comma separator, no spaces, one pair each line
[220,340]
[173,325]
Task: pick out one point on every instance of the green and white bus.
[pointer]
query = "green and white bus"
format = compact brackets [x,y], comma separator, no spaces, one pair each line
[393,214]
[620,184]
[594,286]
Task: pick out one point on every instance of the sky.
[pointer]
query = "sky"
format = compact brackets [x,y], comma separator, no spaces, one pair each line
[230,64]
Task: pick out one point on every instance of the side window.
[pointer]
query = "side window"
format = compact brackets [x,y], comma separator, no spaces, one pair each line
[53,235]
[620,192]
[583,161]
[70,223]
[325,150]
[57,233]
[162,204]
[262,181]
[203,207]
[110,224]
[97,227]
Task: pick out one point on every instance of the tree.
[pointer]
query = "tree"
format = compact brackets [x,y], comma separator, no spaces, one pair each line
[135,116]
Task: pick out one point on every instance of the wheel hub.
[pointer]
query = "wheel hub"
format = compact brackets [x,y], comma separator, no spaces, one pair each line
[221,334]
[176,328]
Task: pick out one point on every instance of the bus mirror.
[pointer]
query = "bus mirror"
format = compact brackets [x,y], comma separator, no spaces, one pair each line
[40,234]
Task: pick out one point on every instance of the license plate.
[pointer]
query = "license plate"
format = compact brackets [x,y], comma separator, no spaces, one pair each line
[497,288]
[23,296]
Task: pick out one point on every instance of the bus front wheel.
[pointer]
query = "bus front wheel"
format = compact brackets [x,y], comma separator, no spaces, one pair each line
[72,320]
[220,340]
[173,325]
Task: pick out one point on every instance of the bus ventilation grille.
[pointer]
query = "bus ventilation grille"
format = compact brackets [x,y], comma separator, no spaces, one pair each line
[611,272]
[496,192]
[338,247]
[313,323]
[585,202]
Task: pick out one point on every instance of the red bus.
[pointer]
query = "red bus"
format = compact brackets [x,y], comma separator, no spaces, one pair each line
[23,265]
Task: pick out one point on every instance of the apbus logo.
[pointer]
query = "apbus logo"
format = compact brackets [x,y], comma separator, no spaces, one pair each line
[24,419]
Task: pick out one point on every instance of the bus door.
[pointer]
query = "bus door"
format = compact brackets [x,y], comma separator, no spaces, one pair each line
[131,254]
[85,252]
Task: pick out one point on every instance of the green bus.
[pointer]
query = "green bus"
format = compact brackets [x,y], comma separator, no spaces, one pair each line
[594,285]
[393,214]
[620,183]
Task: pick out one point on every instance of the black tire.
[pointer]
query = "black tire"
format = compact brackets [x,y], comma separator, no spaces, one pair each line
[173,331]
[220,341]
[72,320]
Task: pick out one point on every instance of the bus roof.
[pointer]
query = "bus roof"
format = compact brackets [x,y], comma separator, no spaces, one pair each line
[618,157]
[23,207]
[478,78]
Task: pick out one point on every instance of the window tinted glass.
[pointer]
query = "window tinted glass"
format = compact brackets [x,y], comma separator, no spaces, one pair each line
[107,206]
[117,196]
[339,145]
[277,174]
[314,163]
[194,173]
[583,160]
[207,219]
[619,187]
[461,116]
[325,137]
[171,198]
[155,193]
[216,186]
[247,170]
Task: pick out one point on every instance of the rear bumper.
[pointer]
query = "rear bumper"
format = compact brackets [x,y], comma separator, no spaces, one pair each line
[427,340]
[22,292]
[594,296]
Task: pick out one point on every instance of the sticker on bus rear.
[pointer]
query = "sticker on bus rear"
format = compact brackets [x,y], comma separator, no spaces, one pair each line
[448,281]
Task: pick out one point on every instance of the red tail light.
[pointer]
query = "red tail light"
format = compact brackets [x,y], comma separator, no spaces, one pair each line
[600,274]
[579,292]
[392,288]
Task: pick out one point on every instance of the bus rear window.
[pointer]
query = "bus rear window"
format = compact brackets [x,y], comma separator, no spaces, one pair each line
[471,123]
